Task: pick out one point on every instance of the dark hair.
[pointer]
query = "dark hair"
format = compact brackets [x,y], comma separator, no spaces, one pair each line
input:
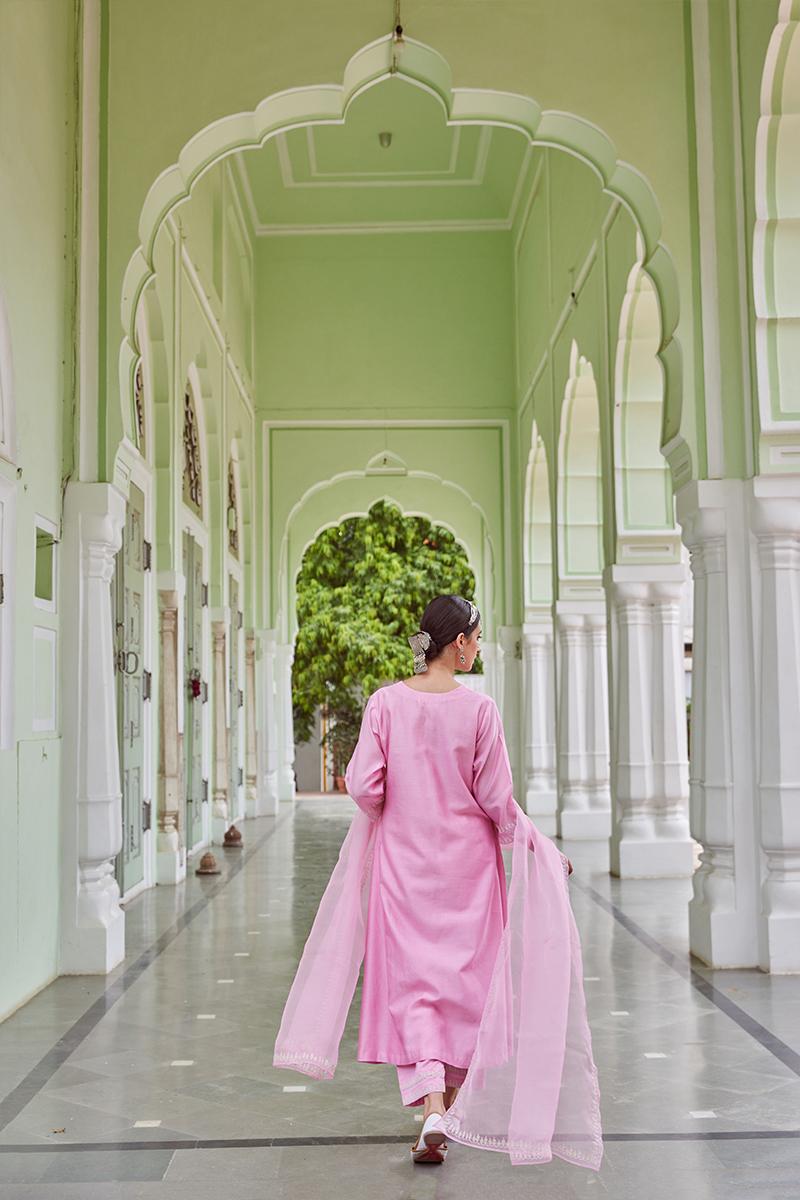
[444,619]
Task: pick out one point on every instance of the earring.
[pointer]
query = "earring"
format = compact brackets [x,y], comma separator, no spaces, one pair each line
[461,656]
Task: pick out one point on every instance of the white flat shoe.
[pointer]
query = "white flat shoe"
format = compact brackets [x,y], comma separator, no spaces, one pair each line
[431,1145]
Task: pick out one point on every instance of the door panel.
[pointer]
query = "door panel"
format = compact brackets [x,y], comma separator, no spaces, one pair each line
[129,669]
[234,740]
[193,709]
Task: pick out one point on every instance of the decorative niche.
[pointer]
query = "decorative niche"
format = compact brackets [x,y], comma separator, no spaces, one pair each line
[233,512]
[192,474]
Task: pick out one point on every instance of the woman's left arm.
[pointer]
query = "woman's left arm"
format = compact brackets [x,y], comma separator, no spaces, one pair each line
[365,774]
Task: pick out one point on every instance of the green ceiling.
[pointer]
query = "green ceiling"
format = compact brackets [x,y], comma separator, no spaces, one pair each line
[341,176]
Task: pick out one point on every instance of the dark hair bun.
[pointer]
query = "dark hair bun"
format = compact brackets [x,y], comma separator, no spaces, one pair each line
[444,618]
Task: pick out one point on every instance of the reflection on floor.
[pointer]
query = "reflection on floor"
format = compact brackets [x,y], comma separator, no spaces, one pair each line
[157,1081]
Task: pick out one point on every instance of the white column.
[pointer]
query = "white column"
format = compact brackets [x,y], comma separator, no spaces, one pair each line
[723,924]
[92,922]
[649,771]
[219,694]
[598,753]
[675,846]
[632,833]
[490,670]
[573,801]
[776,522]
[540,725]
[510,704]
[284,658]
[170,847]
[252,797]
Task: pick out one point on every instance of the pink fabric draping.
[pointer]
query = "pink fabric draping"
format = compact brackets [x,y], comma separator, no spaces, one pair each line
[531,1090]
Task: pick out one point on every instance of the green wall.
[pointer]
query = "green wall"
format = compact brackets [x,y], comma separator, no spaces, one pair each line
[418,322]
[36,278]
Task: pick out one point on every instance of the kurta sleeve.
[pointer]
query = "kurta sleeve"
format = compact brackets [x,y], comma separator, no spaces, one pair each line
[492,783]
[365,774]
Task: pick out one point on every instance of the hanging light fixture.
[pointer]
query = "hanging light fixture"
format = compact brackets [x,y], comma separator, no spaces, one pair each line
[398,42]
[385,139]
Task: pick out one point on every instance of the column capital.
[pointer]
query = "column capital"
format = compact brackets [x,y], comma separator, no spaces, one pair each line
[509,640]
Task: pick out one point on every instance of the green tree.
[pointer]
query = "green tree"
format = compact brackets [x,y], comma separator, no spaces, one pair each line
[361,590]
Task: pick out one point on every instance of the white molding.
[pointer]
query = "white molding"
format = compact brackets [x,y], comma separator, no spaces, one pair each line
[317,174]
[486,225]
[247,190]
[131,468]
[8,439]
[8,532]
[238,208]
[89,242]
[475,180]
[192,276]
[741,248]
[708,249]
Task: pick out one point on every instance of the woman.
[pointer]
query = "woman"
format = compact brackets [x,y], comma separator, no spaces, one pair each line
[455,991]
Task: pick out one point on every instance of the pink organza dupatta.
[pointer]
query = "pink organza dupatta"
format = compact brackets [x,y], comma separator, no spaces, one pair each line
[531,1090]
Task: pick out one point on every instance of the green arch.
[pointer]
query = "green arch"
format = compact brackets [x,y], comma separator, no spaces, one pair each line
[422,66]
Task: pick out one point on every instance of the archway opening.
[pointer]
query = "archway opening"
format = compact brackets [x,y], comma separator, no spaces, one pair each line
[362,586]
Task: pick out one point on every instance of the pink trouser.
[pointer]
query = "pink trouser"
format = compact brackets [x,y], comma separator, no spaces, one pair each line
[429,1075]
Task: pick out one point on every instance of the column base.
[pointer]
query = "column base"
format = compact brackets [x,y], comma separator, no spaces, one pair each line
[542,808]
[94,949]
[269,802]
[652,859]
[780,953]
[719,939]
[170,861]
[286,784]
[588,825]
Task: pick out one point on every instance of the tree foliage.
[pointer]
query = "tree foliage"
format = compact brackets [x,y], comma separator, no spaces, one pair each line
[361,590]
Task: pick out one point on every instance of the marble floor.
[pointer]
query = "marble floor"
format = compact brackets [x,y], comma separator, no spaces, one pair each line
[157,1081]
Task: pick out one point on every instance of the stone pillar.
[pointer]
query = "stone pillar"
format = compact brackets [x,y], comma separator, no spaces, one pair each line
[776,522]
[92,922]
[170,847]
[251,739]
[510,703]
[649,772]
[284,658]
[723,909]
[540,732]
[220,815]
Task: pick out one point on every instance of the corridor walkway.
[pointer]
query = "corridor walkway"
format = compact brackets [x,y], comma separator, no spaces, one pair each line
[156,1081]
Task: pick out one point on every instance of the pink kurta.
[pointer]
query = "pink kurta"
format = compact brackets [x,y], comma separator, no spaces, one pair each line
[437,764]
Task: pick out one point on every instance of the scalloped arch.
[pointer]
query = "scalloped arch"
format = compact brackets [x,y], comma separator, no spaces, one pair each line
[538,549]
[419,493]
[776,244]
[422,66]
